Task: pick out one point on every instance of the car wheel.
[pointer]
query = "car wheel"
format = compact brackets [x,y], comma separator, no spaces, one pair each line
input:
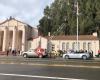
[25,55]
[66,57]
[84,57]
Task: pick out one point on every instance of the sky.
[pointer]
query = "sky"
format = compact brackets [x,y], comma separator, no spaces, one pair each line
[28,11]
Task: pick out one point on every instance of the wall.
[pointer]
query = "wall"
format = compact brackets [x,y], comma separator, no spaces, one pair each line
[94,44]
[39,40]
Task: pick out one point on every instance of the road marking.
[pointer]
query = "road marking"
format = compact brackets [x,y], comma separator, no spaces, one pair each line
[64,65]
[36,76]
[54,65]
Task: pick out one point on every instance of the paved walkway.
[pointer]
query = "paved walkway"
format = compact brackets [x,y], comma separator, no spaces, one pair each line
[58,58]
[94,63]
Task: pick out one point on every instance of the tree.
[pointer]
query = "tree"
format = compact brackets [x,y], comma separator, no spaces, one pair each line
[62,15]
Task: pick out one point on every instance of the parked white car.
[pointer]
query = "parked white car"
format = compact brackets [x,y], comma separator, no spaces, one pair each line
[78,55]
[29,53]
[32,53]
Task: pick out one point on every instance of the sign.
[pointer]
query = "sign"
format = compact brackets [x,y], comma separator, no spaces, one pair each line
[39,51]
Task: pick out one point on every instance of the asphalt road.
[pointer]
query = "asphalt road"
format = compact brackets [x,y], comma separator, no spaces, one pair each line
[45,72]
[55,61]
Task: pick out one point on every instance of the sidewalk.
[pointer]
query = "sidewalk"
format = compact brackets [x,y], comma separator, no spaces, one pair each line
[9,57]
[58,58]
[97,59]
[94,63]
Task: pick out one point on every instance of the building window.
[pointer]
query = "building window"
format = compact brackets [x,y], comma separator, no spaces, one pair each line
[73,45]
[67,46]
[89,46]
[78,45]
[29,45]
[63,46]
[84,45]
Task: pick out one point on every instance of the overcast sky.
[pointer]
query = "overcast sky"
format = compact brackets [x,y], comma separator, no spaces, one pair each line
[28,11]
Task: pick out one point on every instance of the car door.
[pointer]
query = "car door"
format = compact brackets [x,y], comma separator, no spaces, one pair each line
[78,55]
[33,53]
[72,55]
[75,55]
[30,53]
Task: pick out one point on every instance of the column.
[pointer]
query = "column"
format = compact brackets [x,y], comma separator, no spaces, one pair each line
[17,42]
[14,38]
[5,39]
[23,39]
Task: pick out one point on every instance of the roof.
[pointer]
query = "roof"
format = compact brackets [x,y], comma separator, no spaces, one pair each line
[74,37]
[11,19]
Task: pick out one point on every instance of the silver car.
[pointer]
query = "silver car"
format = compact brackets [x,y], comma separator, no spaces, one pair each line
[29,53]
[78,55]
[33,53]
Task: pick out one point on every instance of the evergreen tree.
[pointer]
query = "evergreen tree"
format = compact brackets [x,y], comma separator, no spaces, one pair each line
[60,17]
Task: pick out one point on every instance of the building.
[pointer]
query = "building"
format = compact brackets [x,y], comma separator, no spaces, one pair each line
[14,34]
[64,43]
[37,41]
[85,42]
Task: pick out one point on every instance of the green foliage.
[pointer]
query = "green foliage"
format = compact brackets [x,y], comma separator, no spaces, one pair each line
[60,17]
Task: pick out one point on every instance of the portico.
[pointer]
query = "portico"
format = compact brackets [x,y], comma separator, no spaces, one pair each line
[14,35]
[12,38]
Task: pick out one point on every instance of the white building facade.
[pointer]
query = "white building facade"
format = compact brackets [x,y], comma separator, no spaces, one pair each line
[85,42]
[17,35]
[38,42]
[14,34]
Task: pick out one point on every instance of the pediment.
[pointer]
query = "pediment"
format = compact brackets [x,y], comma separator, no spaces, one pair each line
[12,22]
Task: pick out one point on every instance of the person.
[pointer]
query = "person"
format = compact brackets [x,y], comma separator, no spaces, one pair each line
[98,52]
[91,53]
[18,52]
[14,52]
[7,52]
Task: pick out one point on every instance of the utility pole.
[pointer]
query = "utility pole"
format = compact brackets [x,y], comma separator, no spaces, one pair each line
[77,14]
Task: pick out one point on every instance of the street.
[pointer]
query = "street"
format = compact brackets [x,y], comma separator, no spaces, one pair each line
[18,68]
[35,72]
[50,40]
